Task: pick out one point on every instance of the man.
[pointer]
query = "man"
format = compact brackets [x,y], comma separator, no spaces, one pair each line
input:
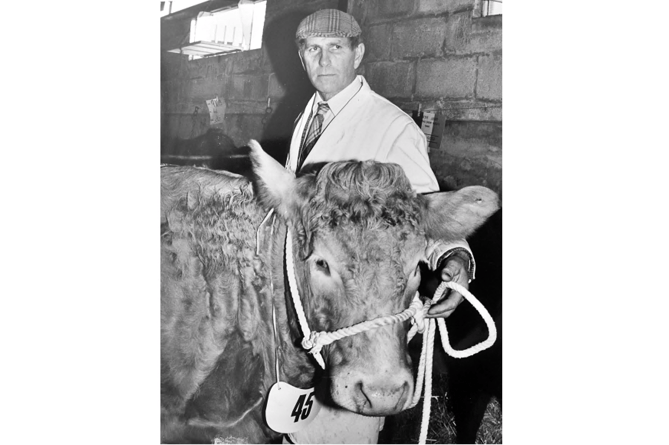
[346,120]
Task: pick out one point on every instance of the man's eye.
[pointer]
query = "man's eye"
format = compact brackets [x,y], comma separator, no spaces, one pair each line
[322,265]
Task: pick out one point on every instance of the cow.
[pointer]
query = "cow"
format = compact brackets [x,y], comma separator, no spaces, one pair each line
[228,324]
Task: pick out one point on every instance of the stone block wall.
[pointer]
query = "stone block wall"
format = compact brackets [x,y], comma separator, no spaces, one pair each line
[434,55]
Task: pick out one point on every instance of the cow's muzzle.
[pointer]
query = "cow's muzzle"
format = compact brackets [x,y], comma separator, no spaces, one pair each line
[382,394]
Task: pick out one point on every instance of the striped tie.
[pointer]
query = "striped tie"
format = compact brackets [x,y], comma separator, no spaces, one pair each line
[313,134]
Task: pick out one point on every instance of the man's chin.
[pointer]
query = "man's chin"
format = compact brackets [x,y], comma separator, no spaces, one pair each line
[328,85]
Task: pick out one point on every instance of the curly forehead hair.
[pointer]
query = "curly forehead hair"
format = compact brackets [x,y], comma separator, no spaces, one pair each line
[366,194]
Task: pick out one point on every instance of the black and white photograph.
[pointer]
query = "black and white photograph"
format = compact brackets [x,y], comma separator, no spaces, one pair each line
[331,189]
[334,265]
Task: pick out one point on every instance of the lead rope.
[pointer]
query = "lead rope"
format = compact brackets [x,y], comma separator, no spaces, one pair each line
[428,330]
[417,311]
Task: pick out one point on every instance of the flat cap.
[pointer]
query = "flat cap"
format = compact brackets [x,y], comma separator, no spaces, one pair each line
[328,23]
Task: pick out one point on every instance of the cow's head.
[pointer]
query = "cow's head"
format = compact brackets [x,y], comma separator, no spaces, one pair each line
[361,232]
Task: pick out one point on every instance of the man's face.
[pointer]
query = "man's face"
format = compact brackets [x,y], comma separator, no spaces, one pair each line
[330,63]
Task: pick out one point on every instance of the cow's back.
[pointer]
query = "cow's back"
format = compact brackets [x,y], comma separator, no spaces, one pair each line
[177,182]
[212,291]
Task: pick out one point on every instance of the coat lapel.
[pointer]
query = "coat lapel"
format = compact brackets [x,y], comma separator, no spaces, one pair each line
[298,128]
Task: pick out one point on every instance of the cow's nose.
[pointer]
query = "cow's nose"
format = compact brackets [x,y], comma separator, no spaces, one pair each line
[384,399]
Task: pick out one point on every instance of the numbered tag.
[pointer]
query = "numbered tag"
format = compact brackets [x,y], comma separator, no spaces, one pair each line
[290,409]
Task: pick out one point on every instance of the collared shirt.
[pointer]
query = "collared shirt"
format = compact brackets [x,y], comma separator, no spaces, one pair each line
[337,102]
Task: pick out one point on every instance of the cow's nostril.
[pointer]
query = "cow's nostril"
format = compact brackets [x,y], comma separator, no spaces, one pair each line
[367,402]
[381,399]
[404,397]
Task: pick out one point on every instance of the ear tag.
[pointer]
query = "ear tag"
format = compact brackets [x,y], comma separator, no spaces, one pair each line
[290,409]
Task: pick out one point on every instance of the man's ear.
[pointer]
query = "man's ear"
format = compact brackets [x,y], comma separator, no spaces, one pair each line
[359,53]
[299,53]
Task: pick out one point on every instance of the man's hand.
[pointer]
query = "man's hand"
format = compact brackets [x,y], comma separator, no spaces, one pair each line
[455,270]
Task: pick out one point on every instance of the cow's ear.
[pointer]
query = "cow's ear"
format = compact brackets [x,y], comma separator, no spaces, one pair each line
[455,215]
[274,184]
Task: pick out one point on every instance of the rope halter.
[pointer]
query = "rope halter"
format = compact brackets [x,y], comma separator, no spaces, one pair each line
[313,342]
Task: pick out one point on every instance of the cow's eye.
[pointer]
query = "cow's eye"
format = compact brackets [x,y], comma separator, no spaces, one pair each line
[322,265]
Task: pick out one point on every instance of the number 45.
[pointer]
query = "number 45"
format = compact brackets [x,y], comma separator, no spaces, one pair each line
[302,408]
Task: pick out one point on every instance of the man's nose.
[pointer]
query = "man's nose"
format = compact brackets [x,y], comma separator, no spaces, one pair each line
[325,59]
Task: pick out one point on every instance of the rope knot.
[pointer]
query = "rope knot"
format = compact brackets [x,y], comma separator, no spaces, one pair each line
[418,319]
[314,342]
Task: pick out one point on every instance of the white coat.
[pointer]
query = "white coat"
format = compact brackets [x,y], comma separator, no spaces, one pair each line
[369,127]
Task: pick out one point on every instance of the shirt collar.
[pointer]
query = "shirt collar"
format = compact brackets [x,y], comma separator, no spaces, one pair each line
[339,100]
